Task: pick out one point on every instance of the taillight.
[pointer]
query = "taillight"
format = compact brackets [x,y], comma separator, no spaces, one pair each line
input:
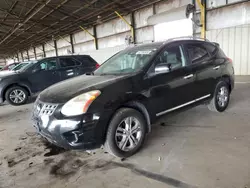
[97,66]
[230,60]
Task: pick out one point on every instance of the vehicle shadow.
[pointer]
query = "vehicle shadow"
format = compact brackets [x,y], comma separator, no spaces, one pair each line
[167,126]
[240,95]
[32,100]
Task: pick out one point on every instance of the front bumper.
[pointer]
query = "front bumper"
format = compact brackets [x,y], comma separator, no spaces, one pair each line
[78,133]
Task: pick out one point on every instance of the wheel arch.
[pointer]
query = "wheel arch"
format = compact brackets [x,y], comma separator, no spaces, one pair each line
[140,107]
[227,79]
[15,84]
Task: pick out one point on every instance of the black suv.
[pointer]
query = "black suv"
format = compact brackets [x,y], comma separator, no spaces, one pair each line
[116,105]
[16,87]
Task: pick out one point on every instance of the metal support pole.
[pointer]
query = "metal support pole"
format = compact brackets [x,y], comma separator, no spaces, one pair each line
[205,16]
[93,36]
[131,27]
[55,44]
[44,53]
[203,27]
[28,55]
[154,9]
[22,56]
[18,58]
[72,44]
[35,52]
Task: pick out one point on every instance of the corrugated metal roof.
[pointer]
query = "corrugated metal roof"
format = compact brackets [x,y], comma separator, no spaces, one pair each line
[27,23]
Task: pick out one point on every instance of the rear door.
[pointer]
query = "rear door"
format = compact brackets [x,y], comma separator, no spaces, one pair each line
[44,74]
[203,61]
[67,67]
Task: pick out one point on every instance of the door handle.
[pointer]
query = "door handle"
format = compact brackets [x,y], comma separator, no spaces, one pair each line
[189,76]
[216,68]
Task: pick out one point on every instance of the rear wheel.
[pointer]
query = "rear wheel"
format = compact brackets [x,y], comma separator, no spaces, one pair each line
[221,98]
[16,96]
[126,133]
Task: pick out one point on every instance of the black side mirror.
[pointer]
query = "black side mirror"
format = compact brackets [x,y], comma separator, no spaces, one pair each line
[162,68]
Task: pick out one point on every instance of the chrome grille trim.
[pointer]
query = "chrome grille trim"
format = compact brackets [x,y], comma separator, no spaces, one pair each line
[42,108]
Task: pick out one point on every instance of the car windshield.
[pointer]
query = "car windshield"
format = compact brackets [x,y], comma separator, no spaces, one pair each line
[30,64]
[128,61]
[18,67]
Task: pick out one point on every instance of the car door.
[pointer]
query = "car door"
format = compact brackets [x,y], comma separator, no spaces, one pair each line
[67,67]
[207,70]
[173,89]
[44,74]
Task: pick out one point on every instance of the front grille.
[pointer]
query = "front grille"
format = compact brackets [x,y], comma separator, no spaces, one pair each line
[42,108]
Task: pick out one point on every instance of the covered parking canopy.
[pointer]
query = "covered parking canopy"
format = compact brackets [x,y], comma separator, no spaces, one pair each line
[28,23]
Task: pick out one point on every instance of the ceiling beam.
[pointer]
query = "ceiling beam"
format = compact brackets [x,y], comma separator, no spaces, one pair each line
[10,10]
[26,20]
[81,8]
[47,14]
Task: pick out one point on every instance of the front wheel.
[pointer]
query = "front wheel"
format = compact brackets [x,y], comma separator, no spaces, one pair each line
[221,98]
[16,96]
[126,133]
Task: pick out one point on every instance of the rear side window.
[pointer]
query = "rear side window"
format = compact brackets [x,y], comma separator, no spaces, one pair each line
[211,48]
[68,62]
[197,53]
[86,61]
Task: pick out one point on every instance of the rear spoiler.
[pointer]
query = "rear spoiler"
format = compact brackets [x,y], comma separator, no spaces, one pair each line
[216,44]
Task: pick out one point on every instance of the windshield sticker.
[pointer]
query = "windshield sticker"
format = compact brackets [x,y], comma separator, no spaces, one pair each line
[143,52]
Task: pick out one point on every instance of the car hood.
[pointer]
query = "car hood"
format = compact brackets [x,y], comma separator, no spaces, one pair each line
[6,73]
[66,90]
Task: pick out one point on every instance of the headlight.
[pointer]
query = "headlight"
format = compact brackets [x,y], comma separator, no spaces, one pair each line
[80,104]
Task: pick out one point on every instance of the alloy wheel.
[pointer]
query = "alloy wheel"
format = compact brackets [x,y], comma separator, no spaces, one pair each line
[222,96]
[128,134]
[17,96]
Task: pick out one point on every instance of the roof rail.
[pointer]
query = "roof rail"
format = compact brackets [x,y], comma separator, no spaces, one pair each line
[188,37]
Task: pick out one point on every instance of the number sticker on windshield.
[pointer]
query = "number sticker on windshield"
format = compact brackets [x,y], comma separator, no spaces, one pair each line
[143,52]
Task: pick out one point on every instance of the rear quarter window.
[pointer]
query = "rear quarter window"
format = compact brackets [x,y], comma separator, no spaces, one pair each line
[197,53]
[67,62]
[86,61]
[212,49]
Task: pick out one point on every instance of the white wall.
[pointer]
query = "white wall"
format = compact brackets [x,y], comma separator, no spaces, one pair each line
[235,42]
[229,26]
[2,62]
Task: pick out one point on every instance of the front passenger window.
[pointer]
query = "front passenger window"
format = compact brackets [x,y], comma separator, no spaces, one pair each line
[173,57]
[48,64]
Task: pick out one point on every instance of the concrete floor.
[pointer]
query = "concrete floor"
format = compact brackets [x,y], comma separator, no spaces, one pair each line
[195,148]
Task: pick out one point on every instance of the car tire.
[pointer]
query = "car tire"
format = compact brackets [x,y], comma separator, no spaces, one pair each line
[120,139]
[220,101]
[16,95]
